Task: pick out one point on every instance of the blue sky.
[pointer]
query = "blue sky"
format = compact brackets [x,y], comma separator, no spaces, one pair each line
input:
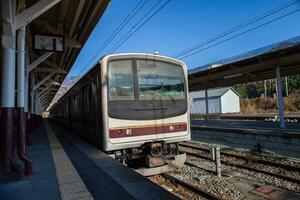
[184,23]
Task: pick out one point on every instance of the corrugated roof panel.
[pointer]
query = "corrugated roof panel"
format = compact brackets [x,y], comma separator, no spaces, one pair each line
[210,93]
[264,50]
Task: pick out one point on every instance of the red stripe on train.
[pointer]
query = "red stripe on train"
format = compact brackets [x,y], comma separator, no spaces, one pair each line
[140,131]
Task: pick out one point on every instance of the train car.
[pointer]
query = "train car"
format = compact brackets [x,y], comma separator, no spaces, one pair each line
[132,106]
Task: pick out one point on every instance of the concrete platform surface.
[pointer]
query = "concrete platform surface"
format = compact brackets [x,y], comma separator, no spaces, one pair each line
[70,168]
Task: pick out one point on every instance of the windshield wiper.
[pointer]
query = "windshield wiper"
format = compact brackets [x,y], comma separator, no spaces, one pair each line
[143,109]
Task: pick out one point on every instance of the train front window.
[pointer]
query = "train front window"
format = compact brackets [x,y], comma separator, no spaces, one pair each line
[160,80]
[120,76]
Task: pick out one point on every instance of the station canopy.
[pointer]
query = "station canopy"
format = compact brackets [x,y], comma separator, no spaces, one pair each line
[256,65]
[71,20]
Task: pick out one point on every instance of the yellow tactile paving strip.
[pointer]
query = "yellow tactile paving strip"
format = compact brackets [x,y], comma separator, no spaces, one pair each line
[70,184]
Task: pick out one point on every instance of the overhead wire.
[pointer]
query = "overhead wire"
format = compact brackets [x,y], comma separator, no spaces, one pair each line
[136,27]
[119,28]
[238,27]
[242,33]
[135,10]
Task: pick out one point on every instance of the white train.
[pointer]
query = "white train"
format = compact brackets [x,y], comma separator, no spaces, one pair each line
[134,106]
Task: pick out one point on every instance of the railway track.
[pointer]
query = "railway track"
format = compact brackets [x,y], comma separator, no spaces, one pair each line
[266,162]
[225,160]
[179,188]
[264,118]
[191,187]
[289,119]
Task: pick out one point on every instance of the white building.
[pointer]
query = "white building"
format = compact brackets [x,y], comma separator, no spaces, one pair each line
[222,100]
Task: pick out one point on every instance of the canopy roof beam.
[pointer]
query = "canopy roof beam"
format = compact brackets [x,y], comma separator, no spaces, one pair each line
[53,82]
[39,60]
[51,69]
[44,90]
[33,12]
[8,15]
[46,94]
[44,80]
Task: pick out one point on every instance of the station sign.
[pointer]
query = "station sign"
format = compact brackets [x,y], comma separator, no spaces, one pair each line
[45,42]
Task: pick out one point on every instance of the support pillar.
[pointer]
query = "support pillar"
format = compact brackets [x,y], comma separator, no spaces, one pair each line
[21,68]
[206,106]
[21,143]
[32,102]
[32,92]
[7,104]
[279,98]
[286,86]
[26,91]
[9,169]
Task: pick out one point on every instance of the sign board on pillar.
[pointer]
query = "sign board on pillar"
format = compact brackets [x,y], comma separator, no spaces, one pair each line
[44,42]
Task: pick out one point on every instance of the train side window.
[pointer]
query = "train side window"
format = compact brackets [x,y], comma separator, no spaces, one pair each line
[120,80]
[76,102]
[67,107]
[73,104]
[86,99]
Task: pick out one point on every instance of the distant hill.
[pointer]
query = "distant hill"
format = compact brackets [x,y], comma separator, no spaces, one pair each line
[65,86]
[70,81]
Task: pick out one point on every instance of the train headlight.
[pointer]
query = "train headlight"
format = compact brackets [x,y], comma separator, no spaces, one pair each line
[129,131]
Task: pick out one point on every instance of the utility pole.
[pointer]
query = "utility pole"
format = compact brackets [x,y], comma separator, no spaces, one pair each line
[265,88]
[286,86]
[276,88]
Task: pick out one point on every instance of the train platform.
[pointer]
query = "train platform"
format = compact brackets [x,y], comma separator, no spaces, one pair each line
[247,124]
[66,167]
[252,135]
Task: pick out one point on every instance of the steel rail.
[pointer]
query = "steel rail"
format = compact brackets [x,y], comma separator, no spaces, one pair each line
[288,178]
[266,162]
[260,118]
[191,187]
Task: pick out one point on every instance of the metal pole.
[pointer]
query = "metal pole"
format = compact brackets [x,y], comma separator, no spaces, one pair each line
[265,89]
[276,89]
[286,86]
[21,143]
[21,68]
[26,91]
[206,106]
[279,98]
[8,76]
[7,104]
[212,153]
[32,105]
[8,69]
[218,161]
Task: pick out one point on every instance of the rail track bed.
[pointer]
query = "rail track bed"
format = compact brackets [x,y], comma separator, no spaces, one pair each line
[260,157]
[192,183]
[281,173]
[240,170]
[177,187]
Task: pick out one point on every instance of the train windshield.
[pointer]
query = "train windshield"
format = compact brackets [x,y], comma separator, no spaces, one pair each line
[160,80]
[120,80]
[145,80]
